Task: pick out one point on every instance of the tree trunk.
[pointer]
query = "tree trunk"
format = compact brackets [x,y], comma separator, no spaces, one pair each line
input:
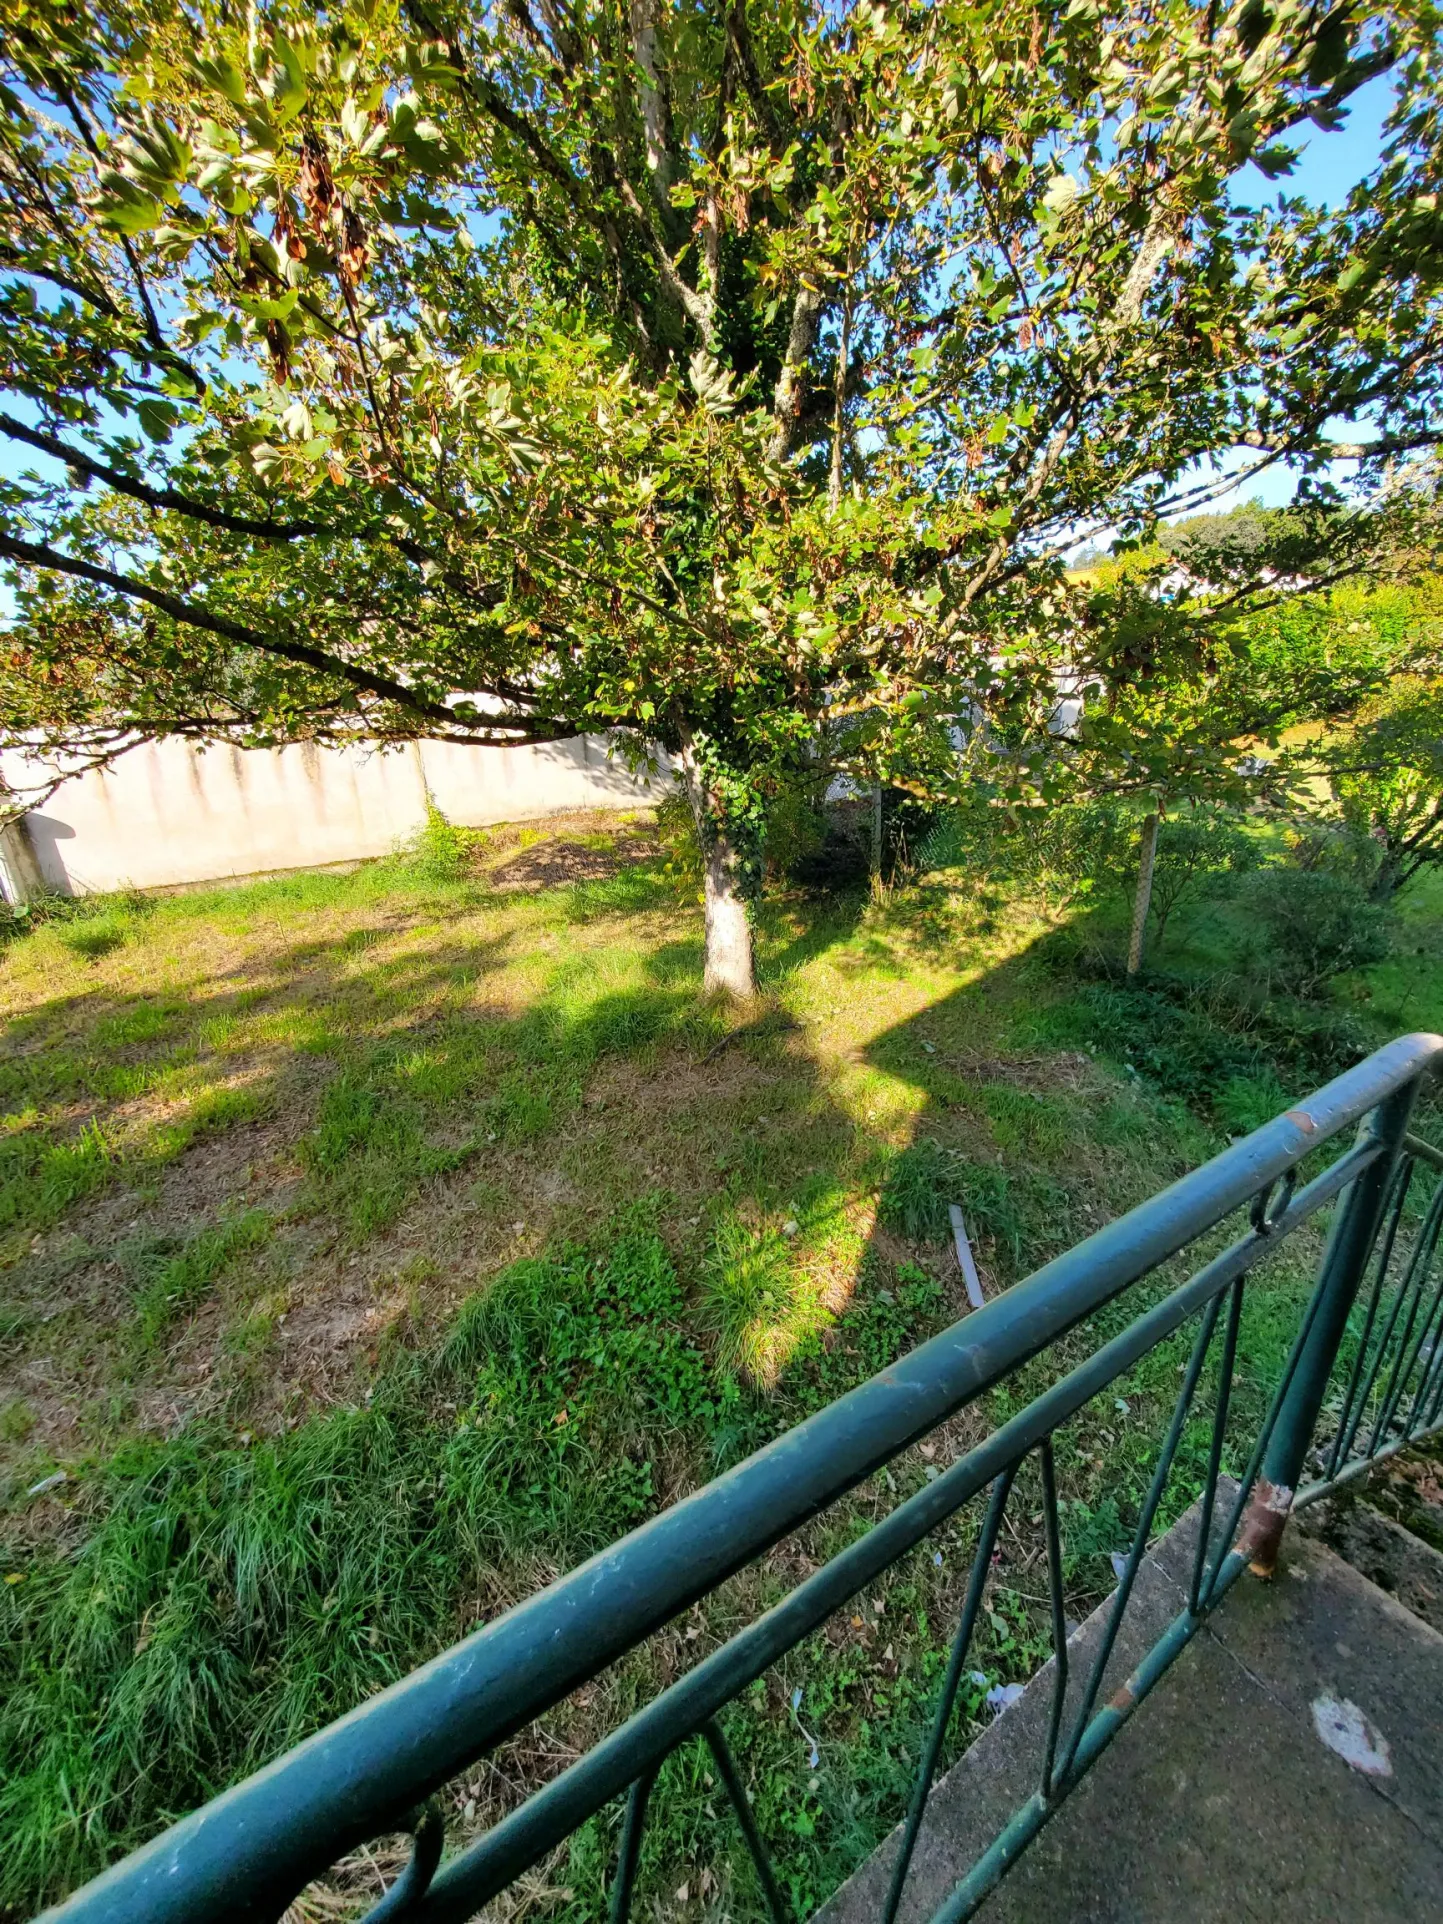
[1142,901]
[730,964]
[1388,880]
[876,860]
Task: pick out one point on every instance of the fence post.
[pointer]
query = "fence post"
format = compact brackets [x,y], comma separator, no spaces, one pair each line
[1350,1244]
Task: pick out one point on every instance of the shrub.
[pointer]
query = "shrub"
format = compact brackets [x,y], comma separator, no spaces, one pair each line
[1389,784]
[1197,850]
[796,831]
[828,849]
[1330,848]
[439,852]
[676,832]
[1314,925]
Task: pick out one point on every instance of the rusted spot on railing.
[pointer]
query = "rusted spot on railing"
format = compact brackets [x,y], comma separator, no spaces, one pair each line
[1262,1528]
[1301,1119]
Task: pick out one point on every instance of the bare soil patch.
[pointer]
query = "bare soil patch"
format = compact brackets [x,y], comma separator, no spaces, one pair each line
[569,849]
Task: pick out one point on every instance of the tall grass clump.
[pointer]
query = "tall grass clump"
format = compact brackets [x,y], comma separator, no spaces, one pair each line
[759,1307]
[230,1599]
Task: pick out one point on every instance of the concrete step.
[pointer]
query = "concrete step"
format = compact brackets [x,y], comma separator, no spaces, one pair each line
[1387,1553]
[1289,1768]
[1408,1488]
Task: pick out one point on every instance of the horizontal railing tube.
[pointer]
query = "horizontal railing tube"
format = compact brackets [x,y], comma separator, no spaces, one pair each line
[242,1858]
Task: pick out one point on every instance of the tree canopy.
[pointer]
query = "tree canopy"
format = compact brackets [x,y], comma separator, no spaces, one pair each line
[736,377]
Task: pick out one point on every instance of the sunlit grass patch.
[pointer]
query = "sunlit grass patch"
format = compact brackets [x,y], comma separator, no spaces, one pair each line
[40,1179]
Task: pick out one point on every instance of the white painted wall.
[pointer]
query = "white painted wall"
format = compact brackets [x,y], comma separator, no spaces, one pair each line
[168,812]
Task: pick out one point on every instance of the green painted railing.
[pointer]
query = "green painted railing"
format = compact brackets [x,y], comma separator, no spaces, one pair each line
[1363,1377]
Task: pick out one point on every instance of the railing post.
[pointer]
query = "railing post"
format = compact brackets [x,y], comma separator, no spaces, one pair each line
[1350,1244]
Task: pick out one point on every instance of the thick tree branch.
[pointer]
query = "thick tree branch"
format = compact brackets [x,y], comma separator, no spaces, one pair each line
[787,396]
[195,615]
[1379,449]
[171,498]
[655,93]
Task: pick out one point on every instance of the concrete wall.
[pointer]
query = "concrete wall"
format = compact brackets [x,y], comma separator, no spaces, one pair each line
[168,813]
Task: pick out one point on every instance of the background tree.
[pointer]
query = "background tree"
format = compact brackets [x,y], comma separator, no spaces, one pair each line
[1386,777]
[1196,850]
[1212,642]
[735,377]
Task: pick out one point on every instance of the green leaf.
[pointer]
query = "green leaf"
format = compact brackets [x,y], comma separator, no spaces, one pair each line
[125,208]
[1331,48]
[355,123]
[157,419]
[290,95]
[1276,160]
[276,310]
[221,73]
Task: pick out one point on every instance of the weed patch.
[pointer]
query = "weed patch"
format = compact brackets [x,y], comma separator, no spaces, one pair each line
[229,1599]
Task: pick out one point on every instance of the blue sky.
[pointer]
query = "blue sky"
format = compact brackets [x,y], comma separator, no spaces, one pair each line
[1330,164]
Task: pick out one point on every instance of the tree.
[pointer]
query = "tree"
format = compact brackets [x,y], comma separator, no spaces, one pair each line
[1216,640]
[1386,776]
[1195,851]
[731,377]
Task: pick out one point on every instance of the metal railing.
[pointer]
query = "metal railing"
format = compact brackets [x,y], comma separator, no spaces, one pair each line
[1364,1373]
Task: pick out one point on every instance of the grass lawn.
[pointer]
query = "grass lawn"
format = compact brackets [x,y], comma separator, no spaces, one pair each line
[377,1245]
